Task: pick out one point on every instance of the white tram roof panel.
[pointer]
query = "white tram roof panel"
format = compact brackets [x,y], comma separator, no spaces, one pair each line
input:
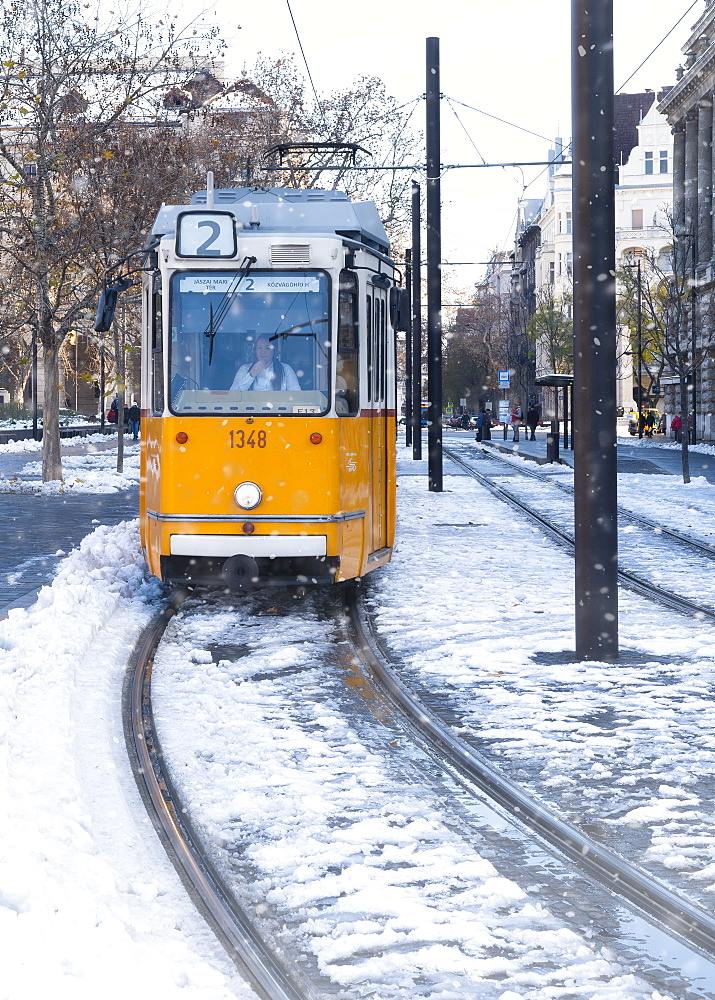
[290,210]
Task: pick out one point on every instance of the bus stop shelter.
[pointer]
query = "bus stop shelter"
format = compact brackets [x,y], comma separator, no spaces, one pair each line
[562,384]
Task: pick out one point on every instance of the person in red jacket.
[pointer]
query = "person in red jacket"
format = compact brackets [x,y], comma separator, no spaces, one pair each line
[676,426]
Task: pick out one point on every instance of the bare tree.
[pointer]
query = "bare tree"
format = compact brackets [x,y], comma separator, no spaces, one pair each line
[364,114]
[551,328]
[63,79]
[678,324]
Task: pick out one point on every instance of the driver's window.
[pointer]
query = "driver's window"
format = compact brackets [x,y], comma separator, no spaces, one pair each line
[251,343]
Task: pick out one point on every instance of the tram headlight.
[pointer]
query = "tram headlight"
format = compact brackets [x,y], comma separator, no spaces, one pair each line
[247,495]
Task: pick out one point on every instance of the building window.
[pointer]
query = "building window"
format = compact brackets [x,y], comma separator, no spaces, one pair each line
[569,264]
[568,223]
[636,218]
[649,161]
[30,171]
[664,161]
[552,272]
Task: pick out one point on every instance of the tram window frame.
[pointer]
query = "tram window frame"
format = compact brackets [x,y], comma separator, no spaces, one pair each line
[376,347]
[157,348]
[368,342]
[348,345]
[383,347]
[299,406]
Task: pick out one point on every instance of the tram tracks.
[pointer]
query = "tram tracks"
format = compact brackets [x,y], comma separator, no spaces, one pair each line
[626,576]
[661,906]
[667,909]
[173,825]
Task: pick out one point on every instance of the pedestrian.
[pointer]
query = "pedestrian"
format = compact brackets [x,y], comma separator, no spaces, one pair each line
[641,424]
[480,425]
[134,418]
[516,418]
[649,424]
[487,426]
[676,426]
[532,420]
[465,422]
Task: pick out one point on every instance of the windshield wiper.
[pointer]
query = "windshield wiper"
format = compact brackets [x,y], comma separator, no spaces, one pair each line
[294,329]
[224,303]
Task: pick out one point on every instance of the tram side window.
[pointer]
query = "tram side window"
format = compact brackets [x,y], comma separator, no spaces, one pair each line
[346,387]
[368,342]
[383,348]
[157,352]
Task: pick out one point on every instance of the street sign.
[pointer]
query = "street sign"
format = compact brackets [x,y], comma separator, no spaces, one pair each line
[504,412]
[504,380]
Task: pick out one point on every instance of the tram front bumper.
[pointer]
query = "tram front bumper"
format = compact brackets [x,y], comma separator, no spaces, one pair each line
[256,546]
[242,562]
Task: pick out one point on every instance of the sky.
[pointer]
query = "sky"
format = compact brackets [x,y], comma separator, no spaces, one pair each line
[509,60]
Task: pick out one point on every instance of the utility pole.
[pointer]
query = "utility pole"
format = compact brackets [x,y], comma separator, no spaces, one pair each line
[595,496]
[694,339]
[416,324]
[434,276]
[408,353]
[640,352]
[102,385]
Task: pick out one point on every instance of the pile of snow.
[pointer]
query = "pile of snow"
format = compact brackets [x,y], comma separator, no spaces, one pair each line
[92,472]
[83,880]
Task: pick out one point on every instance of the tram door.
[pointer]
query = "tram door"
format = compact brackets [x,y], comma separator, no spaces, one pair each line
[376,312]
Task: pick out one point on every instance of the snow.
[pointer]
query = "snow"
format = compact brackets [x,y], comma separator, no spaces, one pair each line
[346,847]
[82,878]
[91,471]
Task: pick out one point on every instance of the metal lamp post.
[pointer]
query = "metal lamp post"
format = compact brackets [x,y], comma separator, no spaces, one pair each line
[639,390]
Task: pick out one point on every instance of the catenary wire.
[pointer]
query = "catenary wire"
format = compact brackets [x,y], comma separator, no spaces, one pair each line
[310,75]
[464,128]
[657,46]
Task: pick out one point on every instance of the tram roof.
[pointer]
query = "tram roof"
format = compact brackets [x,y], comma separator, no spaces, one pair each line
[290,210]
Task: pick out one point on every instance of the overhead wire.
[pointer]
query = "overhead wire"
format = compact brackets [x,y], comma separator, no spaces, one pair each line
[682,18]
[464,128]
[496,118]
[307,67]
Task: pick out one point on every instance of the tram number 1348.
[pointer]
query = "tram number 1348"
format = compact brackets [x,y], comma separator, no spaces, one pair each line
[255,439]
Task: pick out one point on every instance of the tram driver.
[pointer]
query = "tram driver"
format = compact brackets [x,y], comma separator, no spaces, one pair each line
[266,372]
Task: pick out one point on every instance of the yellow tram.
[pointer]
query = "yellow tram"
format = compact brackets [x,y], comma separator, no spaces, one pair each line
[268,389]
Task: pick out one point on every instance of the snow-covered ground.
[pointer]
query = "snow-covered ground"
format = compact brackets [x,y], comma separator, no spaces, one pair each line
[89,904]
[93,470]
[362,868]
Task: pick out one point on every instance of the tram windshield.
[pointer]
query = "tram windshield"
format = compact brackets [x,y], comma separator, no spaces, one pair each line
[260,344]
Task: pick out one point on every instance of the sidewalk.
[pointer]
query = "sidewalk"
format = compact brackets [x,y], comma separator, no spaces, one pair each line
[35,531]
[535,451]
[649,456]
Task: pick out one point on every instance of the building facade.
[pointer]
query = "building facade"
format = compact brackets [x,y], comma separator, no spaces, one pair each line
[688,108]
[643,151]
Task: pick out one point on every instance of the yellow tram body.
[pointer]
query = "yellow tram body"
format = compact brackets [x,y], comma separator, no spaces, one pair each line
[286,475]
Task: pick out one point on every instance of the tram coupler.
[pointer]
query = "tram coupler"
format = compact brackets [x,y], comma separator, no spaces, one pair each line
[240,572]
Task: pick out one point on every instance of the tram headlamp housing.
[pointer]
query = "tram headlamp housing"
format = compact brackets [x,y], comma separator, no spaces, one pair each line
[247,495]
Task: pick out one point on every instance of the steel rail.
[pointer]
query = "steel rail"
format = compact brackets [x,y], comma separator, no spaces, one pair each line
[206,887]
[707,548]
[652,900]
[625,577]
